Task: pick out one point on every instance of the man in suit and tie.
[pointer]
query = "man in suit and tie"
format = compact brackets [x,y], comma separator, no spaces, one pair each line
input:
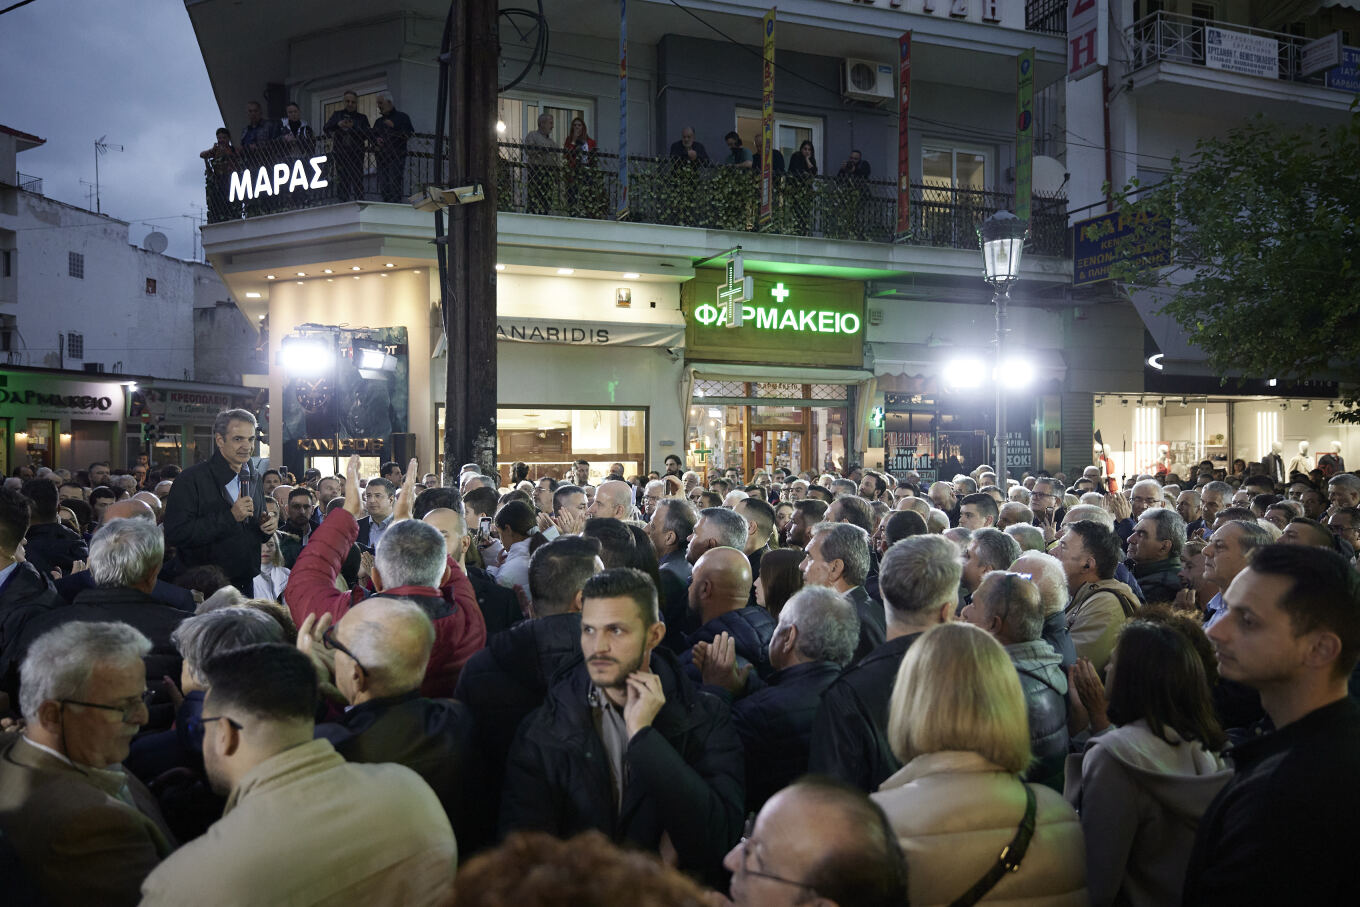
[84,830]
[216,513]
[380,500]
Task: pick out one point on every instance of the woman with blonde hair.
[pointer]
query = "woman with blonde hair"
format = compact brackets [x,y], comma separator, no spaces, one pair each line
[970,828]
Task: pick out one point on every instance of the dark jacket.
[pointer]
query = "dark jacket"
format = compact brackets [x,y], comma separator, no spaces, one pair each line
[1045,687]
[1056,634]
[68,587]
[199,524]
[750,628]
[155,620]
[873,624]
[433,738]
[1283,829]
[850,732]
[678,152]
[52,545]
[673,596]
[347,142]
[1125,576]
[775,726]
[1159,581]
[683,774]
[500,606]
[508,679]
[390,141]
[26,595]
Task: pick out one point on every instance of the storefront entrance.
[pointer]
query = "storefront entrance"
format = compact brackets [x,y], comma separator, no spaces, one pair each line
[744,425]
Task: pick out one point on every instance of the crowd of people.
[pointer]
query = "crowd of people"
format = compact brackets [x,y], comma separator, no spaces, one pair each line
[225,686]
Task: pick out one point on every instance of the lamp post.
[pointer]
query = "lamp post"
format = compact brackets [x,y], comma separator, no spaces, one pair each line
[1002,238]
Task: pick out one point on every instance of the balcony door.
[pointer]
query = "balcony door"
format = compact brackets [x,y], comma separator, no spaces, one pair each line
[790,132]
[519,113]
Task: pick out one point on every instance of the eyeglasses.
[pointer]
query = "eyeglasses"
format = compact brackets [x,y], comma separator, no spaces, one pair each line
[746,860]
[127,711]
[196,726]
[329,641]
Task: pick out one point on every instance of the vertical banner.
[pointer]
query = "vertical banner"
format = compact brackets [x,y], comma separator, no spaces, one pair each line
[622,212]
[1024,136]
[903,150]
[767,124]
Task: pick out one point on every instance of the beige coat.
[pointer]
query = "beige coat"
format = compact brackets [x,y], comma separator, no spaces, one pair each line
[306,827]
[1095,616]
[954,812]
[79,839]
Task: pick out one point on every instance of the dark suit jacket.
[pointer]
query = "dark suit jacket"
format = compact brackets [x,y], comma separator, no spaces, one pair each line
[500,606]
[68,587]
[199,524]
[50,545]
[873,624]
[675,573]
[80,844]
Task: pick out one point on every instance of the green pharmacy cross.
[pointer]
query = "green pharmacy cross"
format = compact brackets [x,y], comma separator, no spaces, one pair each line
[779,292]
[737,290]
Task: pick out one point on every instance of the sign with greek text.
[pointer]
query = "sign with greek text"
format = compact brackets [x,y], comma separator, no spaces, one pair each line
[277,180]
[42,397]
[1235,51]
[584,333]
[1094,243]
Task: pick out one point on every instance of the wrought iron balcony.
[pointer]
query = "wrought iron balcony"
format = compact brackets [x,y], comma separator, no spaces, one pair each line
[1175,38]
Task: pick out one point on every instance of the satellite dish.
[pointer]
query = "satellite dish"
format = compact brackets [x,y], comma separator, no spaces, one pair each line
[1049,174]
[155,242]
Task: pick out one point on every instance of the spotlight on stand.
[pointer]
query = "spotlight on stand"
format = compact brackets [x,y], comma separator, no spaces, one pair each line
[307,355]
[372,360]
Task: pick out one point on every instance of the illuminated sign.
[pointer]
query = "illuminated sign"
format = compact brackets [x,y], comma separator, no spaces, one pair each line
[773,318]
[277,180]
[341,445]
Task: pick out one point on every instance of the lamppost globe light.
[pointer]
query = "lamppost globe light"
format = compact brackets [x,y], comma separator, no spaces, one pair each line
[1002,237]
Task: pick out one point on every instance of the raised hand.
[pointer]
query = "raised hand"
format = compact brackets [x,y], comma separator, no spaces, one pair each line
[720,668]
[645,699]
[1092,692]
[352,504]
[406,500]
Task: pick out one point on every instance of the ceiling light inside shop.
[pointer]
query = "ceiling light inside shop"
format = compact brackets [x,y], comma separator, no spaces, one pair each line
[269,277]
[355,268]
[565,272]
[389,265]
[252,296]
[327,271]
[302,273]
[631,275]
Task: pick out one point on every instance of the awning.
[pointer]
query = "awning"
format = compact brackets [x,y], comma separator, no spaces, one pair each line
[716,371]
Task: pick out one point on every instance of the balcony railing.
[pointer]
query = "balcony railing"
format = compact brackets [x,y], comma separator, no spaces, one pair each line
[30,183]
[1175,38]
[662,190]
[1047,16]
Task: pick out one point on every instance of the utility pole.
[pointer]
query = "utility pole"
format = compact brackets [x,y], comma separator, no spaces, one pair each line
[470,303]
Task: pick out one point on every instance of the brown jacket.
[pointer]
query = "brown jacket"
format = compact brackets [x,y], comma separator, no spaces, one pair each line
[1095,616]
[305,827]
[79,840]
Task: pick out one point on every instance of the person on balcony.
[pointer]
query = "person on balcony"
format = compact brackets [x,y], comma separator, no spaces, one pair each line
[804,163]
[295,132]
[349,130]
[855,167]
[577,150]
[390,133]
[220,160]
[687,150]
[543,158]
[258,130]
[737,156]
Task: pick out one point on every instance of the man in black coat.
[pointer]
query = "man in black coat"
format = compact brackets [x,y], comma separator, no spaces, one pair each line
[838,557]
[625,744]
[383,647]
[508,679]
[24,592]
[670,527]
[815,638]
[391,130]
[348,131]
[208,519]
[49,545]
[1283,829]
[919,579]
[718,596]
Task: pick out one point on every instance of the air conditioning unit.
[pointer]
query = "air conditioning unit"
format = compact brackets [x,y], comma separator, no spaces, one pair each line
[866,80]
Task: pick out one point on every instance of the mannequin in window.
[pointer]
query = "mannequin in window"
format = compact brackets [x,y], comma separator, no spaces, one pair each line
[1301,463]
[1340,460]
[1274,462]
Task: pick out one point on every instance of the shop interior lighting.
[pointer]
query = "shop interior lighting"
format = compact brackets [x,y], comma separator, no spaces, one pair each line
[302,274]
[565,272]
[307,355]
[252,296]
[389,265]
[355,268]
[631,275]
[1100,401]
[500,267]
[1306,405]
[327,271]
[269,277]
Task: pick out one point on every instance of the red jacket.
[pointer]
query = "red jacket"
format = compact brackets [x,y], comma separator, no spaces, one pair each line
[459,627]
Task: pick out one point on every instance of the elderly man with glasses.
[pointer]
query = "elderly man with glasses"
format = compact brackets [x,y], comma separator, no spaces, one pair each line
[83,830]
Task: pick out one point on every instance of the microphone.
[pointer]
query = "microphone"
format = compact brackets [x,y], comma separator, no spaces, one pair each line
[244,487]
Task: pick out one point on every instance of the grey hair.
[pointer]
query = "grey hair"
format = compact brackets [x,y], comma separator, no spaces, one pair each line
[1091,513]
[378,644]
[847,543]
[226,597]
[995,548]
[1023,617]
[222,421]
[1047,573]
[59,663]
[1029,536]
[1170,527]
[1018,493]
[1253,536]
[919,572]
[1222,488]
[1094,498]
[124,551]
[828,627]
[411,553]
[202,636]
[731,528]
[937,521]
[1194,495]
[1294,508]
[843,486]
[1347,481]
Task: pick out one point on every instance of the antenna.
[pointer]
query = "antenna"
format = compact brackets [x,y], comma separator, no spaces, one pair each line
[89,192]
[101,147]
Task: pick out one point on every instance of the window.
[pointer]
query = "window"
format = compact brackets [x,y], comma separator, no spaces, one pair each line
[6,262]
[368,104]
[551,440]
[151,286]
[75,346]
[944,170]
[520,113]
[75,264]
[790,132]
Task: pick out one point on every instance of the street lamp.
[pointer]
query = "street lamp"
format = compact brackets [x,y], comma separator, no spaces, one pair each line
[1003,239]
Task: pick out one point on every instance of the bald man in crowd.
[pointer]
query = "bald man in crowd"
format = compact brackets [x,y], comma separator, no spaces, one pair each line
[379,666]
[612,499]
[719,602]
